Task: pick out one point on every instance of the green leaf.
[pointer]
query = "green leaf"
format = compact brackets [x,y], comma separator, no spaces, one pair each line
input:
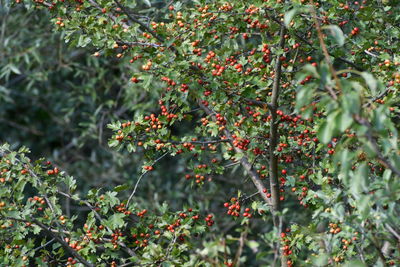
[310,69]
[83,41]
[358,182]
[370,81]
[325,132]
[147,81]
[115,221]
[147,2]
[336,33]
[14,69]
[289,16]
[320,260]
[113,143]
[252,244]
[354,263]
[111,199]
[304,96]
[343,120]
[363,206]
[120,188]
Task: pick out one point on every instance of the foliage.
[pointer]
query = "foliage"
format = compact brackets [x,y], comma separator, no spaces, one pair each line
[303,96]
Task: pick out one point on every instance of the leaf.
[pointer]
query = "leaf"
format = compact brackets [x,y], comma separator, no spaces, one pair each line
[115,221]
[311,70]
[320,260]
[336,33]
[14,69]
[363,206]
[325,132]
[386,175]
[253,245]
[111,198]
[289,16]
[147,2]
[343,120]
[131,148]
[354,263]
[113,143]
[338,211]
[121,187]
[36,229]
[83,41]
[147,81]
[370,81]
[304,96]
[358,182]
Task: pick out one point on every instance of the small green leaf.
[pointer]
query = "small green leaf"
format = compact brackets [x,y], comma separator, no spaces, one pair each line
[253,244]
[14,69]
[113,143]
[121,187]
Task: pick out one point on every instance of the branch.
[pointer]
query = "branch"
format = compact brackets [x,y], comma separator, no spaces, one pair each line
[143,26]
[42,246]
[112,17]
[45,196]
[257,102]
[326,54]
[242,239]
[391,230]
[244,160]
[303,40]
[63,243]
[375,146]
[122,244]
[54,235]
[274,135]
[273,143]
[138,44]
[198,142]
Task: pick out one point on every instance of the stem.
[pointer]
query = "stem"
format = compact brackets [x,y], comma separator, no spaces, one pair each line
[239,252]
[326,54]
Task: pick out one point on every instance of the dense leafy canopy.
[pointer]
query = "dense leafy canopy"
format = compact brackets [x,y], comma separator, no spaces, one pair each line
[260,133]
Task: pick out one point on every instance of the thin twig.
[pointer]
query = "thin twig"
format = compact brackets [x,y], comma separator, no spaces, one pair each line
[391,230]
[239,251]
[326,54]
[140,178]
